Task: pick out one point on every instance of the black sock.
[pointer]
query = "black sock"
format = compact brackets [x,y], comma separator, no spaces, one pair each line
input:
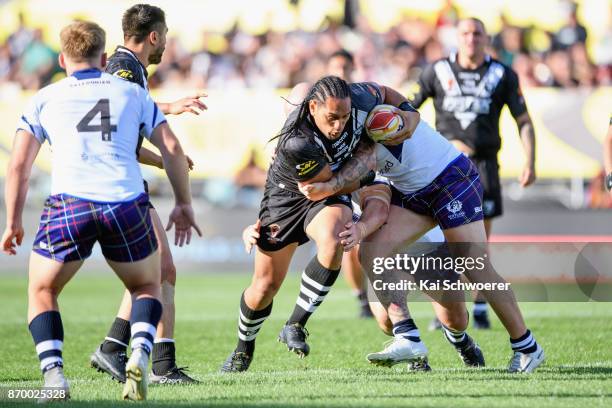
[164,357]
[524,344]
[249,323]
[118,336]
[316,283]
[48,334]
[407,329]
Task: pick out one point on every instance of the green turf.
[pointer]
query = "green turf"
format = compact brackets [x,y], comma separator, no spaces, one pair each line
[576,337]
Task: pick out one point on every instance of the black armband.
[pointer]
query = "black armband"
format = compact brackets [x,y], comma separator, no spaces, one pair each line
[367,179]
[407,107]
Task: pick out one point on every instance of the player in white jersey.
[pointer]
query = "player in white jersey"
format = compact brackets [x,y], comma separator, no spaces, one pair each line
[92,122]
[432,183]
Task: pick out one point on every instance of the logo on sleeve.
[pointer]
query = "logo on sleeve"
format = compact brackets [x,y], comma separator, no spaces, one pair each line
[124,74]
[306,167]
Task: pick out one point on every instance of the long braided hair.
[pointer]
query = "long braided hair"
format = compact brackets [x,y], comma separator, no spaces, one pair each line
[326,87]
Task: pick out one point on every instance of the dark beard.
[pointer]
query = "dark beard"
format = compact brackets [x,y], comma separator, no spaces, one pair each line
[155,58]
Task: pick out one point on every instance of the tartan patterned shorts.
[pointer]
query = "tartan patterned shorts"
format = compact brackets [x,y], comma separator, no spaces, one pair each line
[454,198]
[70,226]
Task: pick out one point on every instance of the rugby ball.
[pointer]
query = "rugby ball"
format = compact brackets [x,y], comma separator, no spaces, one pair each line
[383,122]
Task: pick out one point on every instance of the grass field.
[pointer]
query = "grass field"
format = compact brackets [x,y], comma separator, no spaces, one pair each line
[576,337]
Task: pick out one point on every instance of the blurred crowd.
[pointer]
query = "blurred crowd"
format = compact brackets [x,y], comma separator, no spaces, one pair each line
[237,59]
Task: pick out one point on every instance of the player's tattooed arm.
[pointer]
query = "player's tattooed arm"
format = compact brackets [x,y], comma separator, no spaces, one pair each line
[347,179]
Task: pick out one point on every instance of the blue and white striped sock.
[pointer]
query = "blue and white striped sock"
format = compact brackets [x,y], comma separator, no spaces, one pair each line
[146,313]
[48,334]
[407,330]
[525,344]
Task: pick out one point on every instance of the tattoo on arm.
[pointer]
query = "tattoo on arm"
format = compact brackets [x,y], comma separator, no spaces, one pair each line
[363,160]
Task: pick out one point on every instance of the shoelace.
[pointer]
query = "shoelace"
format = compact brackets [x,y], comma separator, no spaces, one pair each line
[387,344]
[300,331]
[240,357]
[180,370]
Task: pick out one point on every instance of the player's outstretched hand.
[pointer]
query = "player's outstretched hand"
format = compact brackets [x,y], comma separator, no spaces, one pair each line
[190,103]
[352,235]
[250,236]
[528,176]
[11,239]
[316,191]
[183,219]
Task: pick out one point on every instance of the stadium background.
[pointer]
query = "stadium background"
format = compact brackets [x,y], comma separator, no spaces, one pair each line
[246,54]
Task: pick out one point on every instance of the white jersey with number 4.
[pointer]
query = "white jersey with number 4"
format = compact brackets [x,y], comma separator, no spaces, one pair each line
[93,120]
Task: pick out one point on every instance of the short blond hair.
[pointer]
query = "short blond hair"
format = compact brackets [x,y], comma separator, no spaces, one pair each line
[82,40]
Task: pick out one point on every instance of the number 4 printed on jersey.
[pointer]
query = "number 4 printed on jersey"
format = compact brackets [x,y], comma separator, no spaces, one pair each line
[105,127]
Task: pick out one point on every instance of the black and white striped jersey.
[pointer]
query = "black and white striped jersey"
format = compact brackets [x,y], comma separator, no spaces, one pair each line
[303,154]
[468,103]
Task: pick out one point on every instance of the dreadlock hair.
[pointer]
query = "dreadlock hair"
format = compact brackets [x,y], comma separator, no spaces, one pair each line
[326,87]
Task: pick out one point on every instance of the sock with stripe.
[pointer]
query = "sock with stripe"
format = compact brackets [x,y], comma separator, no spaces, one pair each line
[525,344]
[317,281]
[48,334]
[457,338]
[146,313]
[118,336]
[249,323]
[407,329]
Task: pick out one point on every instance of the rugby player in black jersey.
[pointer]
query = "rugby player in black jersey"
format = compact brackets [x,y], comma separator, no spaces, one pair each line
[144,30]
[469,90]
[318,138]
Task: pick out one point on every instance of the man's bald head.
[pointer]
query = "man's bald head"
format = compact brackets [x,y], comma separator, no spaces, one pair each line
[472,37]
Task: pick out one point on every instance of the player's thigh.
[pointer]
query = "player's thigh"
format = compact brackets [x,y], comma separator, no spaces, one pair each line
[403,227]
[271,268]
[48,274]
[168,270]
[328,223]
[138,274]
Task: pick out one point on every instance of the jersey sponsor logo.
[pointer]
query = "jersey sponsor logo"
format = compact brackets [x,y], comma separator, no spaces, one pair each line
[477,209]
[306,167]
[124,74]
[387,168]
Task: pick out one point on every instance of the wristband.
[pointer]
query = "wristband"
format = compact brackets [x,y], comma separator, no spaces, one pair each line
[407,107]
[367,179]
[608,182]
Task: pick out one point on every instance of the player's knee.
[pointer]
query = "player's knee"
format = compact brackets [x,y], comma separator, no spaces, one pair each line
[44,292]
[328,246]
[266,287]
